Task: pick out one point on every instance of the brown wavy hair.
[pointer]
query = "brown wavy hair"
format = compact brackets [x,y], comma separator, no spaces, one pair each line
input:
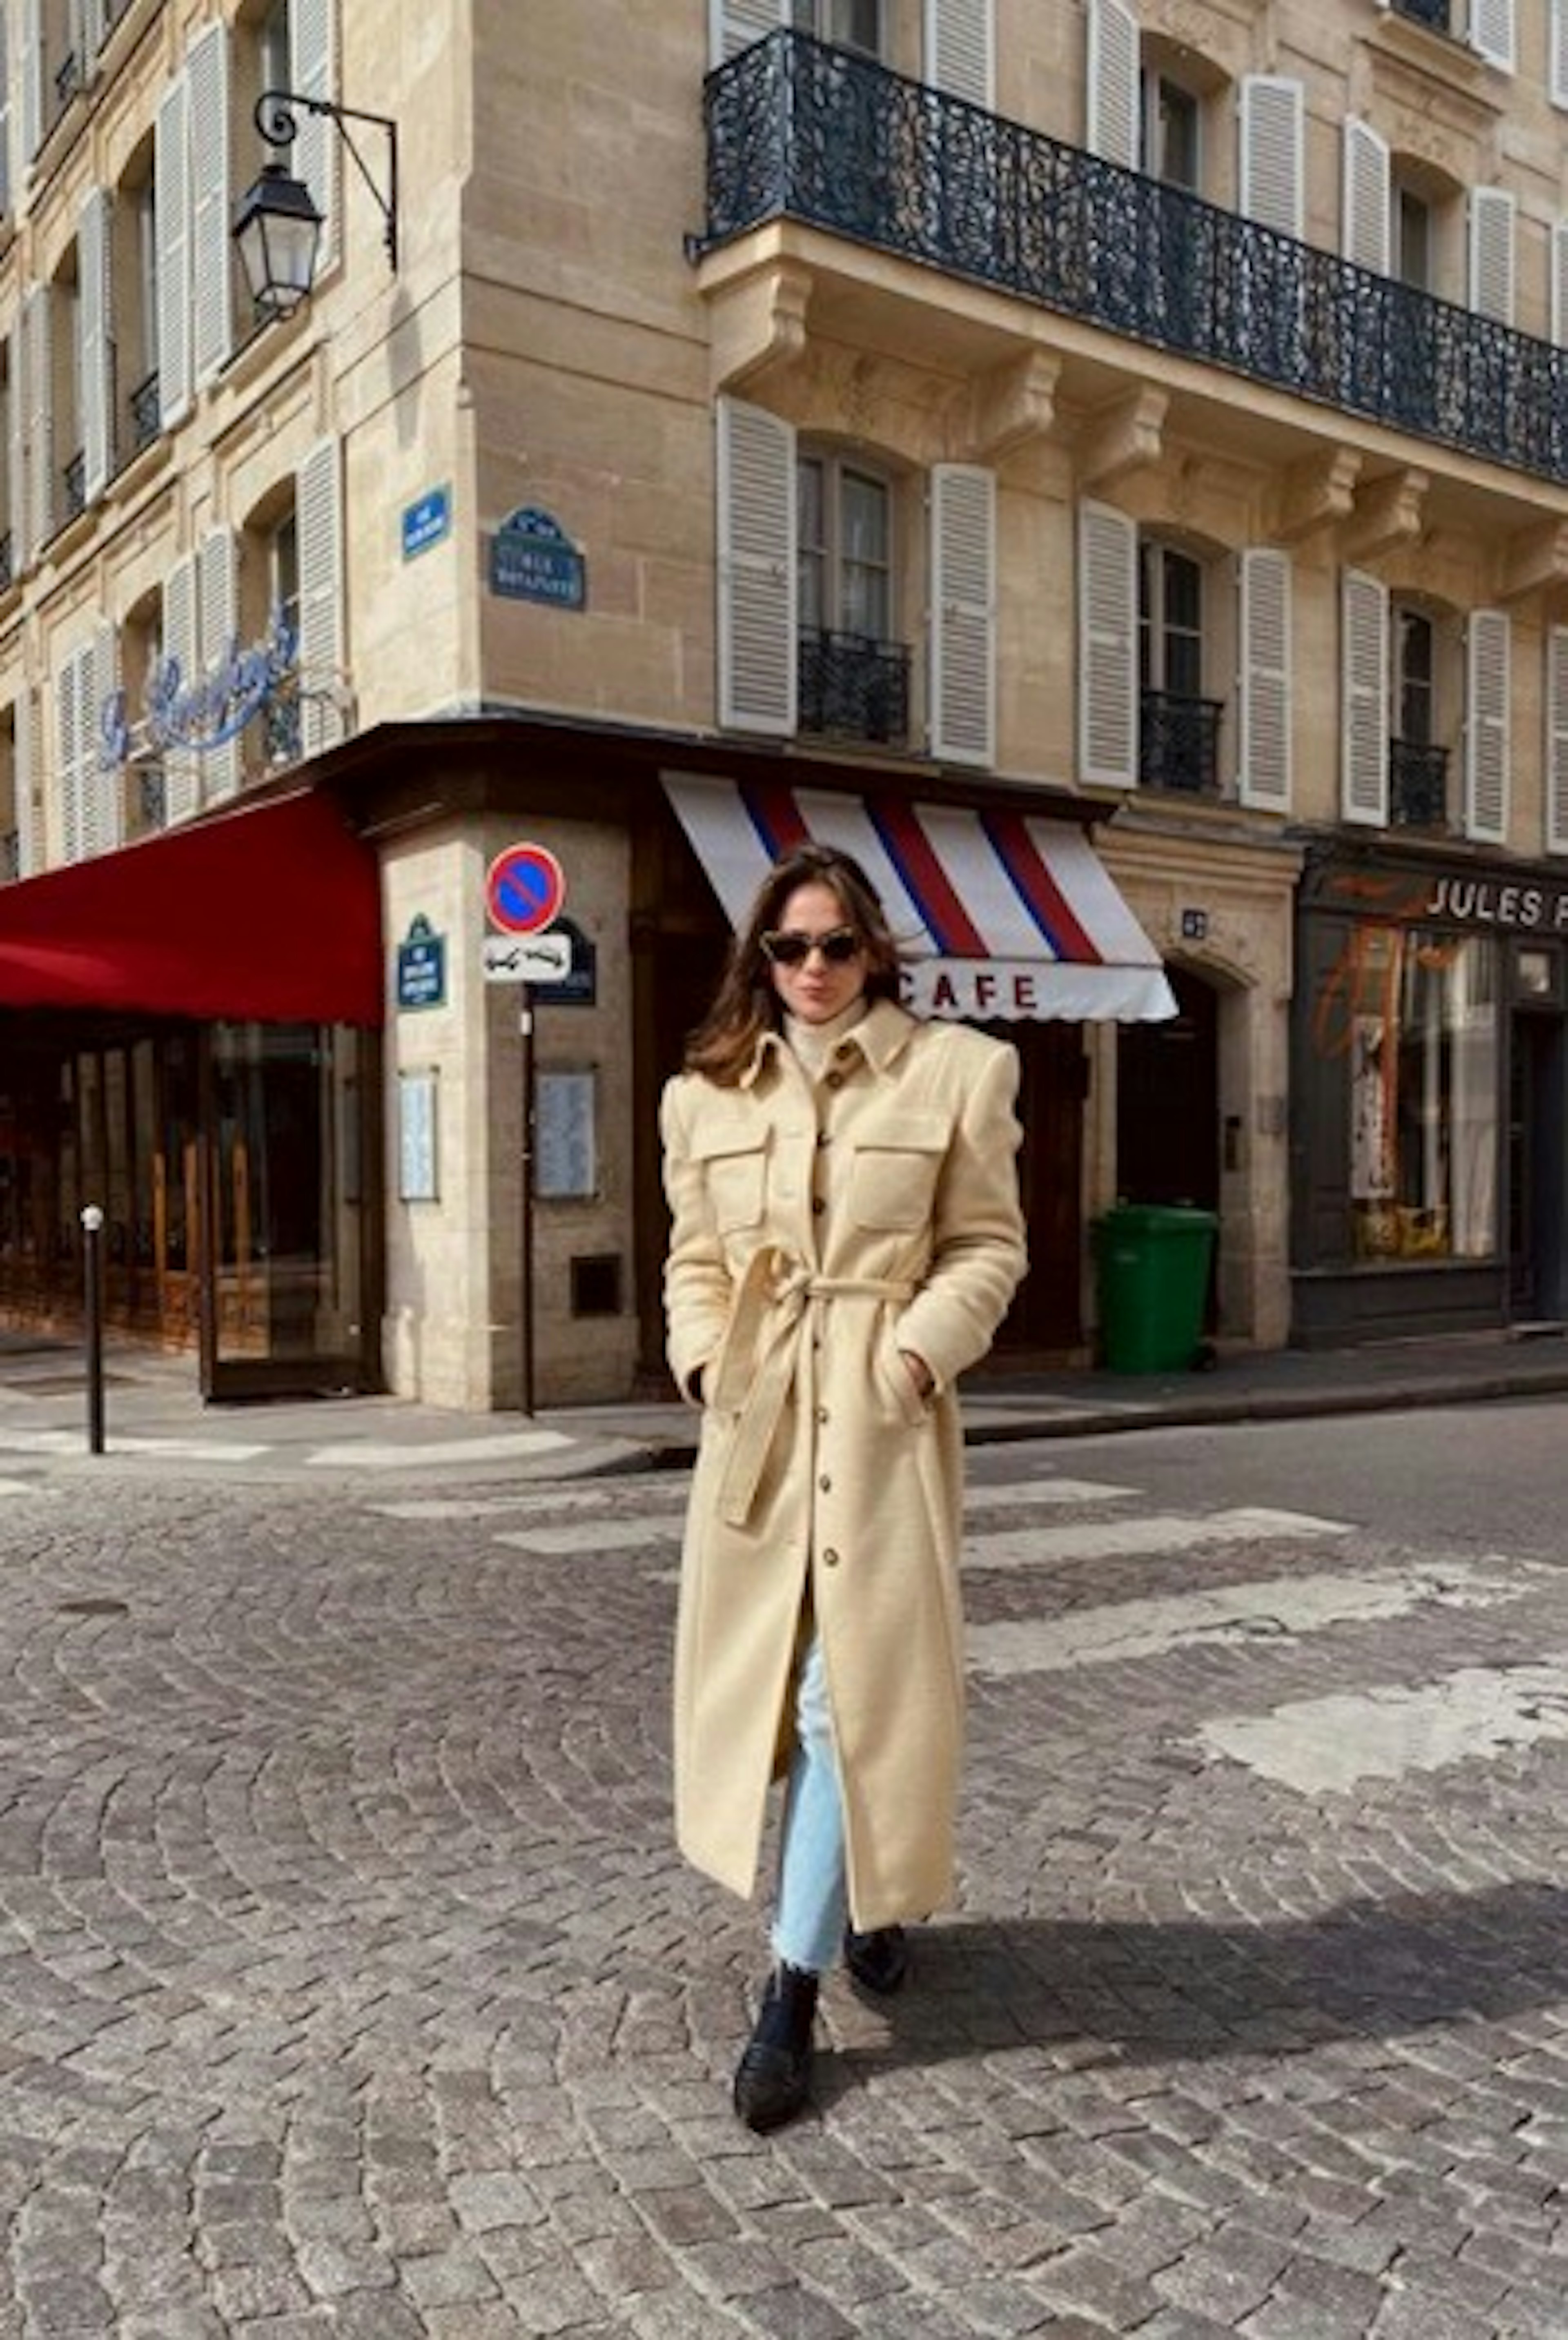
[745,1004]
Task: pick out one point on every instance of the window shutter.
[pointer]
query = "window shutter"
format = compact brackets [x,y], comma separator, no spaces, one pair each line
[40,425]
[1557,740]
[1271,123]
[1486,726]
[28,857]
[212,261]
[1492,254]
[318,503]
[1113,91]
[1364,227]
[95,23]
[960,49]
[1558,45]
[182,769]
[104,788]
[1364,698]
[16,381]
[30,79]
[963,613]
[734,24]
[757,562]
[1108,646]
[93,255]
[313,63]
[218,610]
[1264,726]
[9,175]
[171,198]
[68,758]
[1492,32]
[1558,261]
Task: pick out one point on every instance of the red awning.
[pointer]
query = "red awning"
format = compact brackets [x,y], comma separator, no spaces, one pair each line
[270,912]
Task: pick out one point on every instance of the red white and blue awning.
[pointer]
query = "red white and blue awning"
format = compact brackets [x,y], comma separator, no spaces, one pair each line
[998,915]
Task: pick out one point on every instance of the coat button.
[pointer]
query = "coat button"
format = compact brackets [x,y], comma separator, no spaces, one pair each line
[818,1207]
[829,1558]
[823,1137]
[821,1413]
[835,1081]
[826,1483]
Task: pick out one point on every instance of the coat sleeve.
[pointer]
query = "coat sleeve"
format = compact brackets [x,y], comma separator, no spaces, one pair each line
[979,1254]
[697,1284]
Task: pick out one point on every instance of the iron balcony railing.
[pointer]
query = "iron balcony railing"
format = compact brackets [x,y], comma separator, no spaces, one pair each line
[1178,742]
[801,131]
[152,797]
[1417,786]
[73,479]
[854,687]
[10,855]
[146,418]
[7,561]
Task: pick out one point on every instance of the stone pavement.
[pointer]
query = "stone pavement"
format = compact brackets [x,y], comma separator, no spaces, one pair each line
[349,1985]
[157,1423]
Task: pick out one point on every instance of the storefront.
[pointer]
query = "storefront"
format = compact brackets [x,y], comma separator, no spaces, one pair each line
[1431,1181]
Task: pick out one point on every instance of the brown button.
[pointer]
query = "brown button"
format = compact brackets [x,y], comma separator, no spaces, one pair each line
[829,1558]
[835,1080]
[823,1138]
[826,1483]
[818,1207]
[821,1413]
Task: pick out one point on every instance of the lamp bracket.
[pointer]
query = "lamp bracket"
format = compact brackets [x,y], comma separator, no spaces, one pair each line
[277,112]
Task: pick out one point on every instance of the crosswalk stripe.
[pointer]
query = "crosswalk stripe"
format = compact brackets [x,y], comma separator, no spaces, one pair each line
[977,1501]
[1151,1532]
[507,1446]
[668,1497]
[1273,1609]
[1324,1746]
[590,1535]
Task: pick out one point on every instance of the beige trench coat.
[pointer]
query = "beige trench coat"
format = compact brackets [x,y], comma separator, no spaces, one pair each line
[816,1232]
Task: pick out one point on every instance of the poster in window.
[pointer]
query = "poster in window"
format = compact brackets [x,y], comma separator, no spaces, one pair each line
[1370,1131]
[567,1136]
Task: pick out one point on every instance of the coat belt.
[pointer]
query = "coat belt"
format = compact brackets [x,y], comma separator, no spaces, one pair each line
[754,1380]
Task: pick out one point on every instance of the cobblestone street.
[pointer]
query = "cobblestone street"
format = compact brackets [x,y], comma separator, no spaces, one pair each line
[349,1984]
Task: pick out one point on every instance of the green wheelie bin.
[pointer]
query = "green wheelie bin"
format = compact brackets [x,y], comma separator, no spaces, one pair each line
[1152,1262]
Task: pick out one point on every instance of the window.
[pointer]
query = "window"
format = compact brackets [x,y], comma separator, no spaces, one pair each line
[68,489]
[1417,761]
[848,24]
[135,307]
[1413,239]
[854,677]
[281,719]
[1178,726]
[1172,118]
[1423,1072]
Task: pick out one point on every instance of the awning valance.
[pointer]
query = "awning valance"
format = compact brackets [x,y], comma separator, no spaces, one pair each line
[1000,913]
[270,912]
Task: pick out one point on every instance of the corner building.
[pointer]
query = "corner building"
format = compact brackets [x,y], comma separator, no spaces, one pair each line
[1106,467]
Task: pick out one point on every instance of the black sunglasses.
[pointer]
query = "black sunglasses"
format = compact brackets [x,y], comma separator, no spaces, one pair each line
[791,949]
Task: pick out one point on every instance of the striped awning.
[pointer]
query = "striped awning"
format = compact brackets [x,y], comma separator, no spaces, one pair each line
[998,915]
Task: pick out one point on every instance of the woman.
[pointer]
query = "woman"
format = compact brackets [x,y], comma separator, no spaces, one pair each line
[846,1239]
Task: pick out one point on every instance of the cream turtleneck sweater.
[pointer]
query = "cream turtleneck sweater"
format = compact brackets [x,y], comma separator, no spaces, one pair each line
[813,1044]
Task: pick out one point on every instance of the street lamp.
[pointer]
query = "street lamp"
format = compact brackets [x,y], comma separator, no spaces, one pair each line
[277,226]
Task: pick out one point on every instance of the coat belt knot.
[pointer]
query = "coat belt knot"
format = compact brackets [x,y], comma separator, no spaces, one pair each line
[754,1380]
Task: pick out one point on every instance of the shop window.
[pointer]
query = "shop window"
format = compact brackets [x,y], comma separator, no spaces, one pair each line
[1423,1067]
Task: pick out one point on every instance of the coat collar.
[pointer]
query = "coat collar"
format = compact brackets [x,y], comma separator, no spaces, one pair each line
[881,1036]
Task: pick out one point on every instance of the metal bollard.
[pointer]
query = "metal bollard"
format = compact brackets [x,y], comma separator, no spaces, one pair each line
[92,1275]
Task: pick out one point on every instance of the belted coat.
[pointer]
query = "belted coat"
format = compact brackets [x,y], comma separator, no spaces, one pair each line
[820,1227]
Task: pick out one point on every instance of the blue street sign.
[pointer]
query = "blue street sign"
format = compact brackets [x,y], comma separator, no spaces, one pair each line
[425,523]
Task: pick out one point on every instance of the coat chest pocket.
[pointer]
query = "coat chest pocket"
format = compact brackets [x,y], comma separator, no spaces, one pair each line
[734,1170]
[893,1176]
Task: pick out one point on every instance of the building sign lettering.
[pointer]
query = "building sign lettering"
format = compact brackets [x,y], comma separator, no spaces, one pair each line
[206,713]
[1529,905]
[532,558]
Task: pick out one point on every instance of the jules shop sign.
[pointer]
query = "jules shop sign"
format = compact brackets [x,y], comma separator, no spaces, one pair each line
[1469,899]
[207,712]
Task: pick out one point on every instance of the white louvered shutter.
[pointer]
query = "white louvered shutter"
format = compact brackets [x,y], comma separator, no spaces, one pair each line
[94,25]
[319,511]
[1364,219]
[734,24]
[94,256]
[17,372]
[1108,646]
[30,79]
[1492,254]
[1491,32]
[10,168]
[218,614]
[212,250]
[38,357]
[182,769]
[1112,77]
[172,200]
[758,626]
[1486,726]
[1557,261]
[1364,698]
[1266,705]
[29,859]
[313,65]
[105,785]
[963,613]
[1557,48]
[960,49]
[1271,125]
[68,758]
[1557,740]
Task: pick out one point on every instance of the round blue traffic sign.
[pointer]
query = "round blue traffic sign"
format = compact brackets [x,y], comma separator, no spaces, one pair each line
[524,888]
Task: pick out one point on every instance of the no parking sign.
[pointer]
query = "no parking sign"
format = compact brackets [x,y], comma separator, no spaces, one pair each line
[524,888]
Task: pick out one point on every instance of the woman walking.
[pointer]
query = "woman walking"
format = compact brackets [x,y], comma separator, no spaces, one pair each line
[846,1239]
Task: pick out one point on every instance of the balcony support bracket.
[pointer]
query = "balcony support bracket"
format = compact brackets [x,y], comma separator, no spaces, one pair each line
[1533,560]
[1013,406]
[1388,515]
[1317,492]
[1125,437]
[759,325]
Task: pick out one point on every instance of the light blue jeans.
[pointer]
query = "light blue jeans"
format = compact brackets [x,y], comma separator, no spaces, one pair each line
[813,1899]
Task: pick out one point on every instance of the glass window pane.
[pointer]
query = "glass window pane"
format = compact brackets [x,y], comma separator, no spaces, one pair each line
[1423,1064]
[863,517]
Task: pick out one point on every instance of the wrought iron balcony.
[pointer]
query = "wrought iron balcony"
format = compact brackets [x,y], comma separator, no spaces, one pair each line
[68,79]
[798,130]
[1178,742]
[10,855]
[7,561]
[152,797]
[1435,15]
[854,687]
[147,415]
[1417,786]
[75,479]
